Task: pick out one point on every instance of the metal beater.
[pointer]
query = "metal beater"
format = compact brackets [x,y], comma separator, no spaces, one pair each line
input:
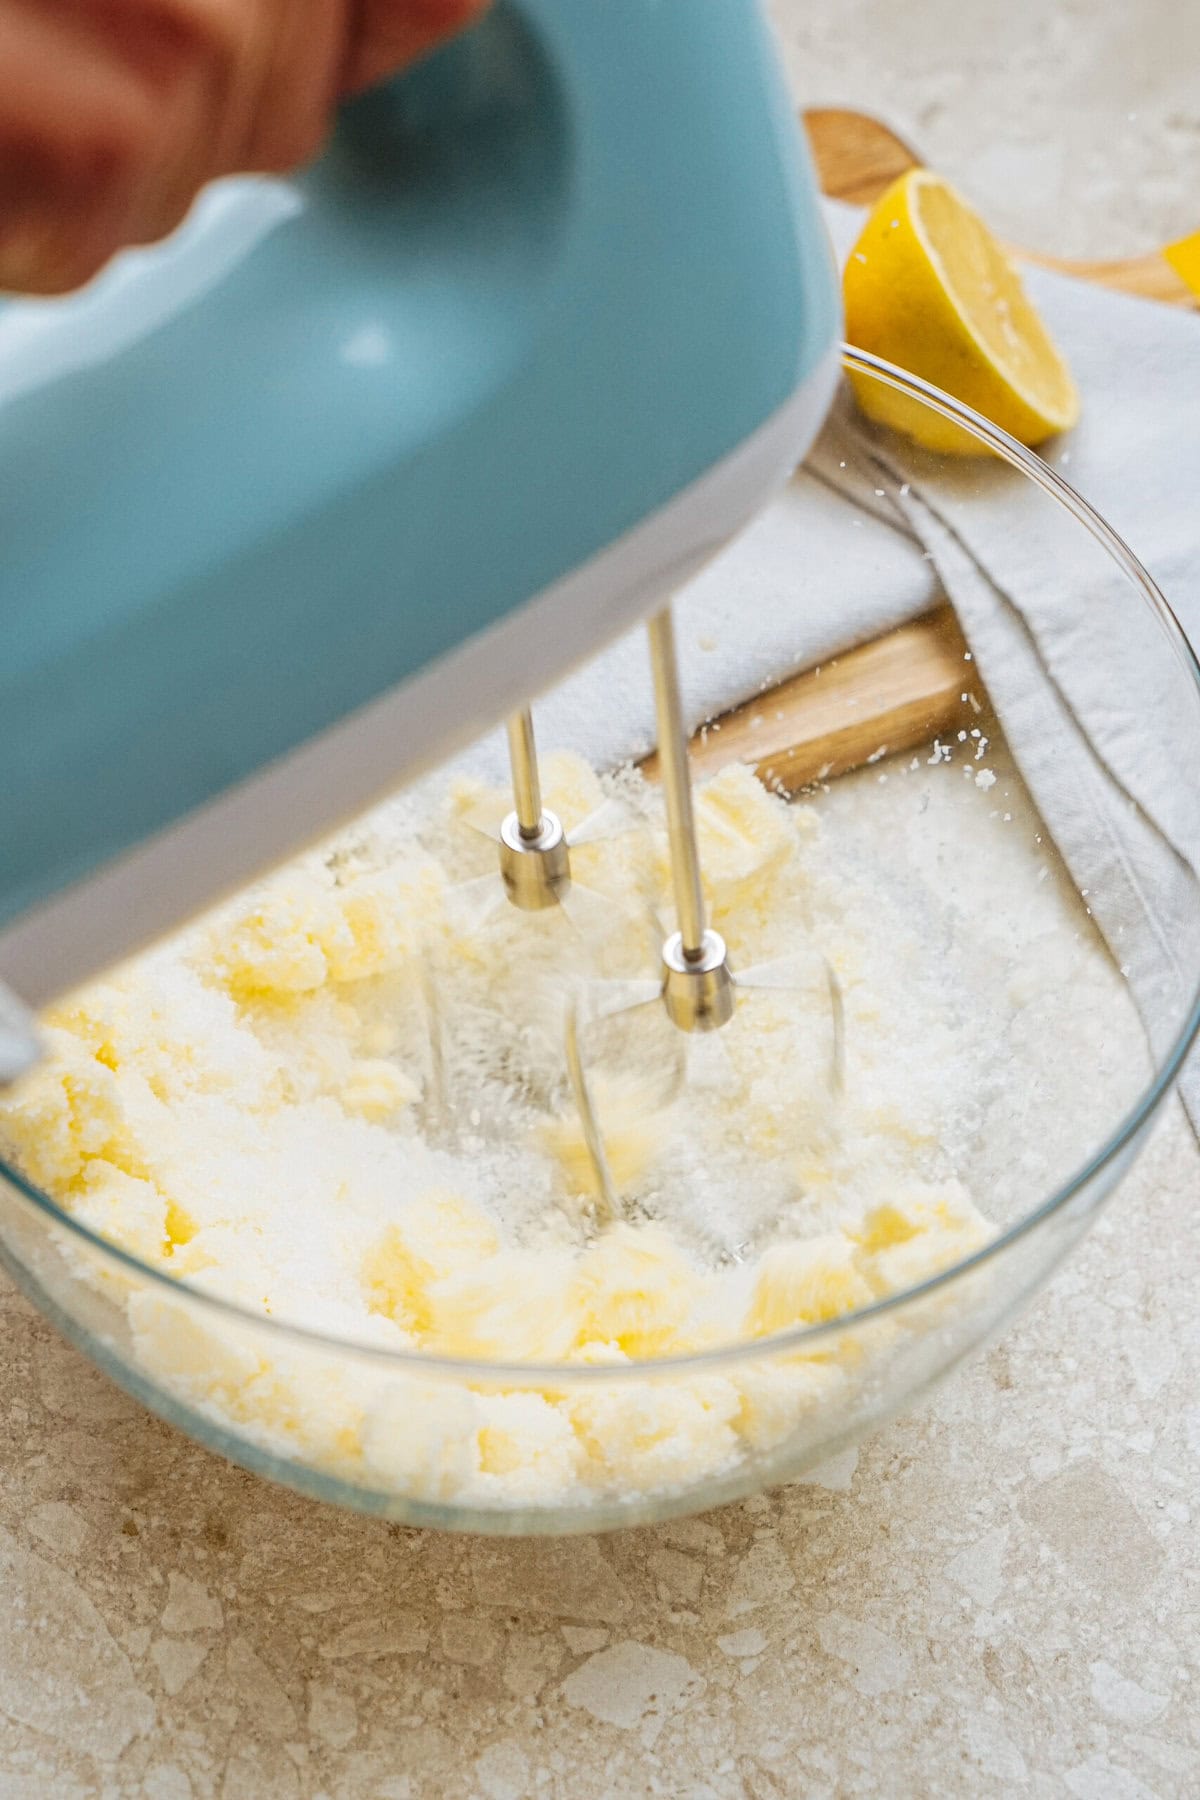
[535,860]
[695,984]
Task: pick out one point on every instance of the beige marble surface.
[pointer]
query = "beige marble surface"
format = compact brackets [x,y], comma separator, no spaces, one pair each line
[1000,1596]
[1073,124]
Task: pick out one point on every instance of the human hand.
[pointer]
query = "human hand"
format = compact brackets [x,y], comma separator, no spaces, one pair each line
[114,113]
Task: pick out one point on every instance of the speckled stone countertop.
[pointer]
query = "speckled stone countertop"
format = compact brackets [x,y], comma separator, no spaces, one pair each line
[998,1596]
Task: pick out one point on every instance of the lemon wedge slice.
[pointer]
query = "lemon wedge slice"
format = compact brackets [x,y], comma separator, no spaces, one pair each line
[1184,258]
[928,287]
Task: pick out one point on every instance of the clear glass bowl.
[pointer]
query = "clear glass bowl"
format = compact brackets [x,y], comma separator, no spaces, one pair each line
[1046,1154]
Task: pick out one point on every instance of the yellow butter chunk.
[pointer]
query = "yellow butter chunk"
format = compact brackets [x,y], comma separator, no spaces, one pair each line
[181,1227]
[304,928]
[171,1034]
[377,921]
[513,1307]
[806,1283]
[777,1397]
[658,1433]
[746,834]
[917,1235]
[272,942]
[422,1438]
[634,1288]
[528,1447]
[374,1089]
[208,1362]
[438,1234]
[129,1210]
[64,1112]
[571,786]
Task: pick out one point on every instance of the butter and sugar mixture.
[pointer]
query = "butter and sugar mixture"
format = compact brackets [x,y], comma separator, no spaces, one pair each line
[342,1103]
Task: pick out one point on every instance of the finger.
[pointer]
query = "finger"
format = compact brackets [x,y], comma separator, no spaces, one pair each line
[114,113]
[78,130]
[274,66]
[271,70]
[297,86]
[183,65]
[384,35]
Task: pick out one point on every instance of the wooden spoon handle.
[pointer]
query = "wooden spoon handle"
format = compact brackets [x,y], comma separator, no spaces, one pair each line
[900,691]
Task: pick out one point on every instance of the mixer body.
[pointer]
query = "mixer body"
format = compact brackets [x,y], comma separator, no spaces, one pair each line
[297,503]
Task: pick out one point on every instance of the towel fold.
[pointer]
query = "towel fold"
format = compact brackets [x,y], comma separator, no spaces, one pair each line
[1072,658]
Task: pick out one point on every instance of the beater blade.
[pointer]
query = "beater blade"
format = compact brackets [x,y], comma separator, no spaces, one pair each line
[795,975]
[610,1208]
[535,853]
[698,989]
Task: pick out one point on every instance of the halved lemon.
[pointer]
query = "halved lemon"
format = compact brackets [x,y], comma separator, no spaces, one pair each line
[928,287]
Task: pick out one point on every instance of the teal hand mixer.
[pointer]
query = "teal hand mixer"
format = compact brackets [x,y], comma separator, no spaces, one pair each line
[300,501]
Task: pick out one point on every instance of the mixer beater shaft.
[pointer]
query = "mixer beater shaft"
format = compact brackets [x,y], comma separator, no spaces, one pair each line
[534,860]
[697,981]
[527,787]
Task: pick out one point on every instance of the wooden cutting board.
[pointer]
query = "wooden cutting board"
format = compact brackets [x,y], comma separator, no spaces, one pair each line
[916,682]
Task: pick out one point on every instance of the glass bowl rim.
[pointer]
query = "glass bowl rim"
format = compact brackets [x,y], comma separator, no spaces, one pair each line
[801,1337]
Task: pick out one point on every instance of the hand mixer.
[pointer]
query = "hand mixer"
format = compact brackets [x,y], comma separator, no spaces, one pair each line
[298,502]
